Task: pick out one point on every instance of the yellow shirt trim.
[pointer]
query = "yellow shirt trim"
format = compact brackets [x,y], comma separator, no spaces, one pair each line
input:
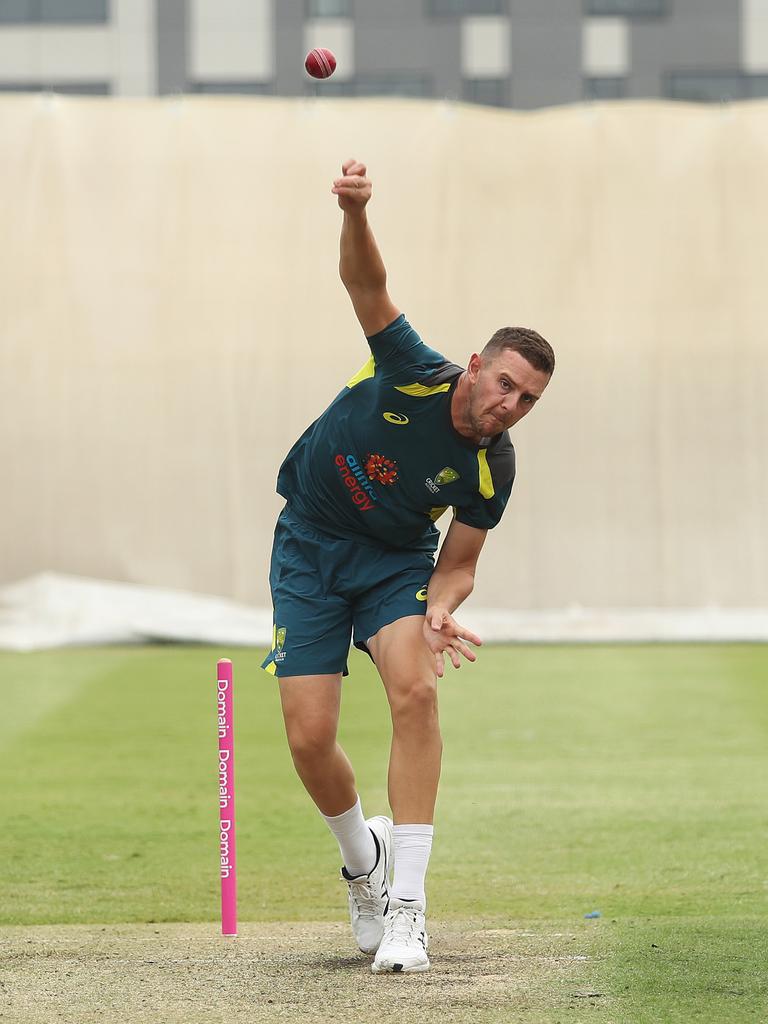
[364,373]
[420,391]
[486,481]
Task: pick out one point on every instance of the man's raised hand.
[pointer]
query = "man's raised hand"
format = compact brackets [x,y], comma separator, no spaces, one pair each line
[353,187]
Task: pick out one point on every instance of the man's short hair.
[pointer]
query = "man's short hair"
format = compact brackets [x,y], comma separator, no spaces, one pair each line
[528,343]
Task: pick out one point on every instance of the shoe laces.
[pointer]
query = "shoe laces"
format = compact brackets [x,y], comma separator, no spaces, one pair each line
[366,901]
[402,923]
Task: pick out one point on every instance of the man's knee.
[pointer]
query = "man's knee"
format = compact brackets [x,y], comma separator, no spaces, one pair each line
[414,701]
[311,714]
[311,741]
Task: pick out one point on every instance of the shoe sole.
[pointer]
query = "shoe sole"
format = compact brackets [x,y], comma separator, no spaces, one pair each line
[399,968]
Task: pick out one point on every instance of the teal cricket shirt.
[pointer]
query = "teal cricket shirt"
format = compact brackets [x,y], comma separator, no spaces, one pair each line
[384,460]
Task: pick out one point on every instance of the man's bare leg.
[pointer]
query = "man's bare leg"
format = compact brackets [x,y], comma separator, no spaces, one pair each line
[311,712]
[406,667]
[311,707]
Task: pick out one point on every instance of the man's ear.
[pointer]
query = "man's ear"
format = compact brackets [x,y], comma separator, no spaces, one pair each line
[473,366]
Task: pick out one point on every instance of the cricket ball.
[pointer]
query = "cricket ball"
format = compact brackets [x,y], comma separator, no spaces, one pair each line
[320,63]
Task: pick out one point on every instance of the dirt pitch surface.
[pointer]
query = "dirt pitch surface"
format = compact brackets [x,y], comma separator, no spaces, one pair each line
[298,971]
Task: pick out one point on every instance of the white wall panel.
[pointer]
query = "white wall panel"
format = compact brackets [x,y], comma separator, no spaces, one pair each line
[156,363]
[231,40]
[754,38]
[605,46]
[485,47]
[135,56]
[62,54]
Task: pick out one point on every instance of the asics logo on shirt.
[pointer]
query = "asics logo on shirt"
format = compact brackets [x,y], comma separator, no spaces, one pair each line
[396,417]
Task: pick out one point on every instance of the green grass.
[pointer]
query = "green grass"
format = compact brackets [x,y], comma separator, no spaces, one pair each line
[629,780]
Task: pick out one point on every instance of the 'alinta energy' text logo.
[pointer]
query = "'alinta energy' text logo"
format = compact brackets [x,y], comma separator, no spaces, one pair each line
[360,490]
[380,468]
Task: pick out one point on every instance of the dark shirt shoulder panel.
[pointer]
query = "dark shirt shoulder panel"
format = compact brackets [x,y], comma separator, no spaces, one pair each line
[496,476]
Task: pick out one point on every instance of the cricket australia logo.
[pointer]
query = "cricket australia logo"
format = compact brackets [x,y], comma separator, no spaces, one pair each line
[279,644]
[445,476]
[381,469]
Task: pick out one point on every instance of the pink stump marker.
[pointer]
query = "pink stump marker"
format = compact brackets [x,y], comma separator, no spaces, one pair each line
[226,733]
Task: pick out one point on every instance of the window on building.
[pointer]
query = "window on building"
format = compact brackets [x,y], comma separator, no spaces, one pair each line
[396,84]
[15,11]
[715,86]
[442,7]
[491,92]
[53,12]
[605,87]
[234,88]
[628,8]
[757,86]
[706,86]
[329,8]
[329,89]
[68,88]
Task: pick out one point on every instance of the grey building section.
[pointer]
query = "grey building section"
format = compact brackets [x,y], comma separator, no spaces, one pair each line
[694,35]
[398,40]
[289,47]
[172,46]
[683,49]
[53,12]
[546,53]
[63,88]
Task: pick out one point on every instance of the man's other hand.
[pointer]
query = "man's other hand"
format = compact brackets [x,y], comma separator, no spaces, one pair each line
[445,636]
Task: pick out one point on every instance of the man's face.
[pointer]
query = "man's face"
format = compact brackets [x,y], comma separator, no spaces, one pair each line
[504,389]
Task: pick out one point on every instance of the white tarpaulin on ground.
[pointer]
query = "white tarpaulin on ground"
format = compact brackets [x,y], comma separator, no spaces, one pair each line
[55,611]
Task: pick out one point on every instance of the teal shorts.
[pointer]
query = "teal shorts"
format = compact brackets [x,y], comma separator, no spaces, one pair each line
[326,591]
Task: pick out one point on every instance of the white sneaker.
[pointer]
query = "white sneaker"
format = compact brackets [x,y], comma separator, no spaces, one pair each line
[404,946]
[369,894]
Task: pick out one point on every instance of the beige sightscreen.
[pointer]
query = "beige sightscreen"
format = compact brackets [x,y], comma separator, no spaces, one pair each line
[172,319]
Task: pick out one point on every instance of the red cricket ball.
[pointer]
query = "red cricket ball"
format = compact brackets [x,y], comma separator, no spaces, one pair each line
[320,63]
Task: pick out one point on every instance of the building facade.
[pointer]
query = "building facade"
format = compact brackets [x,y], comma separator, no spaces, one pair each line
[524,54]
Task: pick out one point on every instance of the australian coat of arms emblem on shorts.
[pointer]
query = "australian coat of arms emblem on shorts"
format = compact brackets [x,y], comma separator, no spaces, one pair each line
[280,643]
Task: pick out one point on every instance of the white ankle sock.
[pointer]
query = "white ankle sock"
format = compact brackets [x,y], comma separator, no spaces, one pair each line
[412,847]
[355,839]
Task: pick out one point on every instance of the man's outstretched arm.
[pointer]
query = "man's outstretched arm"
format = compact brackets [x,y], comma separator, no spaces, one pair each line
[361,266]
[452,582]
